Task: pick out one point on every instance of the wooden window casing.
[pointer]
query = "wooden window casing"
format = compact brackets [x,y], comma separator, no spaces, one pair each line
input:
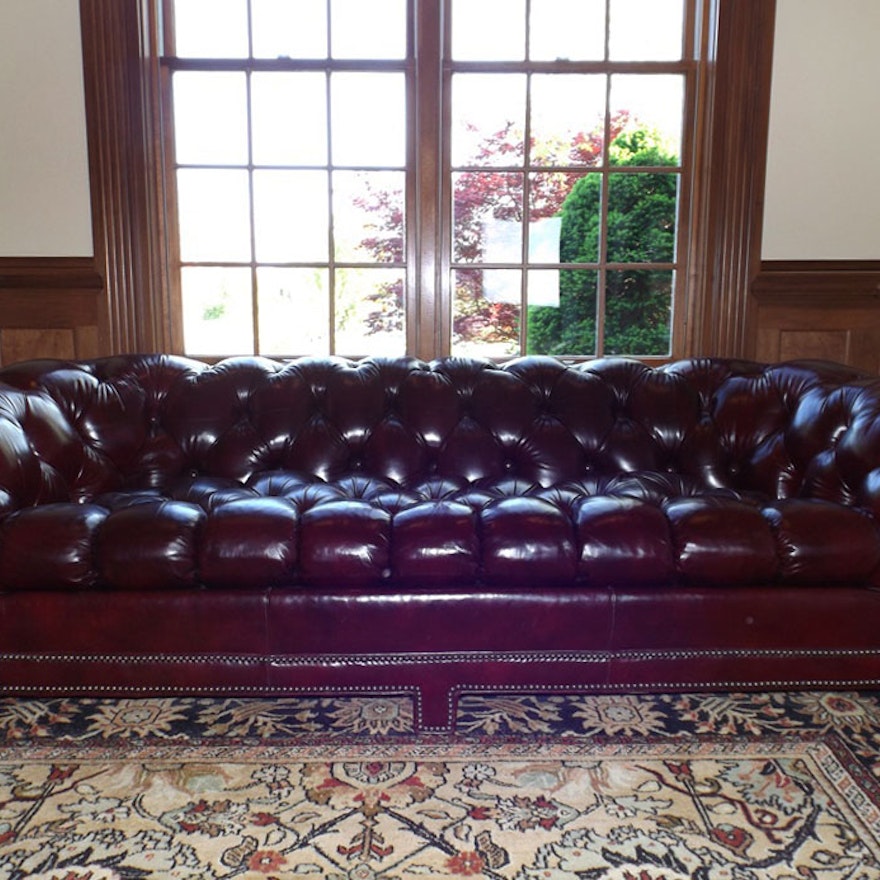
[134,250]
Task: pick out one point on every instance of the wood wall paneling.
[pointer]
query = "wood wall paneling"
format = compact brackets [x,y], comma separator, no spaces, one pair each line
[818,309]
[50,307]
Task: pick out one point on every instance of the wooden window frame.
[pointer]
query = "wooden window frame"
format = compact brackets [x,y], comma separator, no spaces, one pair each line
[126,156]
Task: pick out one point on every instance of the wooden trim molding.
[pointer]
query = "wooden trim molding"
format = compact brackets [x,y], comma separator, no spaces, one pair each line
[828,283]
[736,149]
[127,228]
[17,273]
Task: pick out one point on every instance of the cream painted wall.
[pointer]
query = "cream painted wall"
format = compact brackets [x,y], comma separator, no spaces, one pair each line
[44,177]
[823,177]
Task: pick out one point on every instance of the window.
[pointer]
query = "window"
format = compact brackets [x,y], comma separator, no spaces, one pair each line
[481,177]
[289,139]
[565,170]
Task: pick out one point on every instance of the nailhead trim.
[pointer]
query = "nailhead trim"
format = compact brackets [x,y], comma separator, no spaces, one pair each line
[442,657]
[455,690]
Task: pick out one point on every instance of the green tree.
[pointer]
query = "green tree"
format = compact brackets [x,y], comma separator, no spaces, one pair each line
[641,229]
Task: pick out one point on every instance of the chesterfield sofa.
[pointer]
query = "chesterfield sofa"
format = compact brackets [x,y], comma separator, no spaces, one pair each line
[324,526]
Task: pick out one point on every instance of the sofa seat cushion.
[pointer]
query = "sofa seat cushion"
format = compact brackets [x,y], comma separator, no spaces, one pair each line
[284,529]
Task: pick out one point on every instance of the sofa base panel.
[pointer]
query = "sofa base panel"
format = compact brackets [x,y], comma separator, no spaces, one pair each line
[435,682]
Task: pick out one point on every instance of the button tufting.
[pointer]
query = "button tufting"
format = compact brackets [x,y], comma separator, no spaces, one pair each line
[523,513]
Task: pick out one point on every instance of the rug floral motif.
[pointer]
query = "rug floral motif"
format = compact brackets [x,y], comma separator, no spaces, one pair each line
[723,787]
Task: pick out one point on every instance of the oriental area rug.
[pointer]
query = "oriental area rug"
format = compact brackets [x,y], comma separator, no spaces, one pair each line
[564,787]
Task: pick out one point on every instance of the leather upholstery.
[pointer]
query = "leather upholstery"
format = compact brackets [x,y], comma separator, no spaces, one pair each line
[309,499]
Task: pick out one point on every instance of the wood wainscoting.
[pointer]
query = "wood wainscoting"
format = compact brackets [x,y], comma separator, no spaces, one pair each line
[817,309]
[50,307]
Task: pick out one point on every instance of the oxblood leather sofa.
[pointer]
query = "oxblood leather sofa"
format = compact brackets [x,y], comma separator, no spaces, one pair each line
[325,526]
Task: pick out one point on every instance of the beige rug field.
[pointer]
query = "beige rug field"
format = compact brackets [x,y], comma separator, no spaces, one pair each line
[200,789]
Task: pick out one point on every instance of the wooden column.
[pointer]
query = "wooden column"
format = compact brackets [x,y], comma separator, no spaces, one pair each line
[733,205]
[119,72]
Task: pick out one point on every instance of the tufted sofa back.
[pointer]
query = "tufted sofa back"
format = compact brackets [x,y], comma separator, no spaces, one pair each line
[73,431]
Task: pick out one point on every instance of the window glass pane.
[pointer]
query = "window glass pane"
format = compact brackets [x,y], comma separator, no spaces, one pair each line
[282,29]
[485,321]
[542,288]
[568,119]
[294,311]
[566,206]
[374,29]
[213,214]
[641,218]
[487,214]
[368,216]
[488,30]
[562,312]
[210,118]
[369,119]
[651,103]
[638,312]
[572,30]
[544,240]
[501,239]
[291,216]
[488,119]
[217,313]
[369,312]
[289,118]
[646,30]
[225,37]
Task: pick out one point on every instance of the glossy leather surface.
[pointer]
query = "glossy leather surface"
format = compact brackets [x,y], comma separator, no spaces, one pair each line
[249,514]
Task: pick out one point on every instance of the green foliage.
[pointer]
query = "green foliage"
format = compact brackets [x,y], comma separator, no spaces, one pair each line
[214,312]
[641,229]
